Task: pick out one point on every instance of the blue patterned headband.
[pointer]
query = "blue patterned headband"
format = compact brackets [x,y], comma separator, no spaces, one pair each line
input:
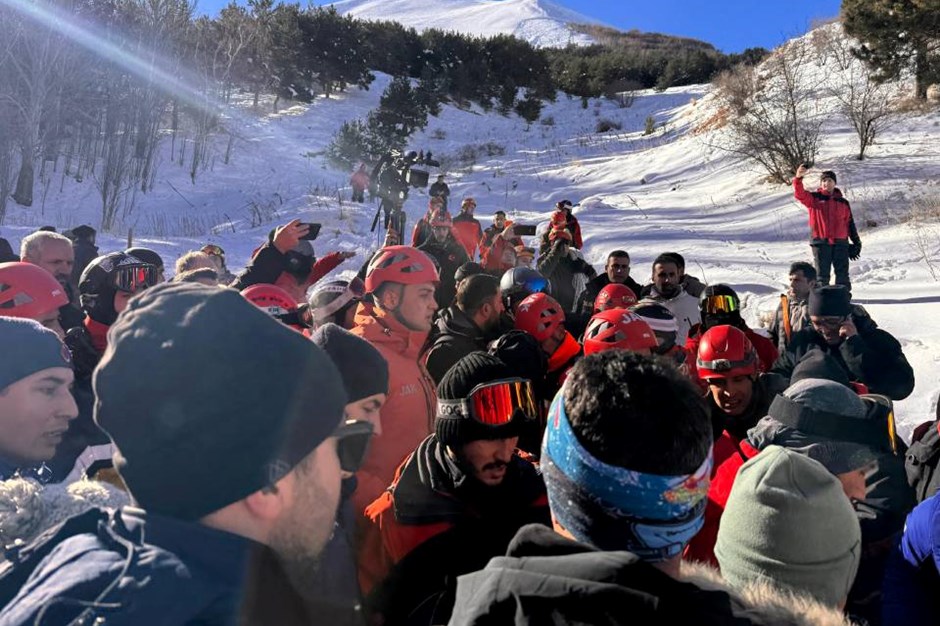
[614,508]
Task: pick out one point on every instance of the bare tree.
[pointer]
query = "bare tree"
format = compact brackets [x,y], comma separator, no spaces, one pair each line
[37,62]
[867,104]
[774,123]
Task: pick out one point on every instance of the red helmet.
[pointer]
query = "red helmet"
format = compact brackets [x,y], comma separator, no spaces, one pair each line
[618,328]
[540,315]
[270,298]
[29,291]
[400,264]
[441,219]
[614,296]
[275,302]
[724,352]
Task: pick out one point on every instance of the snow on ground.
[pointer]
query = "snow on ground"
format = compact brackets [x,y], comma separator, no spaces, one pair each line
[648,194]
[540,22]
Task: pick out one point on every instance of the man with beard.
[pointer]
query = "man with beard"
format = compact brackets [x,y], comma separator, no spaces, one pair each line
[667,290]
[288,261]
[791,316]
[457,500]
[617,271]
[468,325]
[237,484]
[448,253]
[866,353]
[53,253]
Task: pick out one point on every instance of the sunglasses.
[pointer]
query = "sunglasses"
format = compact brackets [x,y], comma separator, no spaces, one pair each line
[132,278]
[831,323]
[213,250]
[494,404]
[720,304]
[353,438]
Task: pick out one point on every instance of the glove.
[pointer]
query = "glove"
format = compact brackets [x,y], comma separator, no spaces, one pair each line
[855,250]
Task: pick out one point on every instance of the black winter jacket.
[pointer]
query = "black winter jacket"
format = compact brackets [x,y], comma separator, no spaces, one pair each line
[560,270]
[449,255]
[457,337]
[872,357]
[547,579]
[594,286]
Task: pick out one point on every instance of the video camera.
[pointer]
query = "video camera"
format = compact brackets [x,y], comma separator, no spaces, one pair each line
[393,176]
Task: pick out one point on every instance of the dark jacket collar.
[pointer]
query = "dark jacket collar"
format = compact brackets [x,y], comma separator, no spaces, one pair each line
[432,487]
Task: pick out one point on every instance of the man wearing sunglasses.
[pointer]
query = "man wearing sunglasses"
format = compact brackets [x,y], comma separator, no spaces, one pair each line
[457,500]
[867,354]
[237,484]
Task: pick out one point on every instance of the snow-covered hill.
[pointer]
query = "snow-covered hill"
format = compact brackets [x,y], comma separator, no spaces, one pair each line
[667,191]
[541,22]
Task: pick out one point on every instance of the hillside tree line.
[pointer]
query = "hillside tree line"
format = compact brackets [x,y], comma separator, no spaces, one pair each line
[92,91]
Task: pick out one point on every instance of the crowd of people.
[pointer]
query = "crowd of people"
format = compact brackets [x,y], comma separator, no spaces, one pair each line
[469,431]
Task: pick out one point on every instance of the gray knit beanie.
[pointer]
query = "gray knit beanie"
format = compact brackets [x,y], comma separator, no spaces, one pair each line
[789,523]
[28,348]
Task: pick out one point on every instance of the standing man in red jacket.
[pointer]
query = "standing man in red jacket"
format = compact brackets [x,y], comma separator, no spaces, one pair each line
[831,227]
[467,228]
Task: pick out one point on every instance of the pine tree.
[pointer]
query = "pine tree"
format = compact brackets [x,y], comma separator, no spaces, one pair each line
[896,35]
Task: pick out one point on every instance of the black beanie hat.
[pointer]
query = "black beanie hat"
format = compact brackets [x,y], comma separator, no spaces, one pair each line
[830,300]
[362,366]
[474,369]
[208,399]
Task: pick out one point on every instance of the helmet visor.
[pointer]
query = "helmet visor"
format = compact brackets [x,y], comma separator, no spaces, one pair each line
[713,305]
[133,278]
[496,403]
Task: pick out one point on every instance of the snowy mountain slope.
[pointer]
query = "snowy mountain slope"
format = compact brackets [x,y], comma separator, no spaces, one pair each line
[648,194]
[541,22]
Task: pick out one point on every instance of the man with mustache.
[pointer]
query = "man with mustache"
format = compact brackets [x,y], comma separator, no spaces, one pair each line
[457,500]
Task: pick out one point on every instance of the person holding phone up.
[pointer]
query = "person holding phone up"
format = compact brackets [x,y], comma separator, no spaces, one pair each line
[287,260]
[831,227]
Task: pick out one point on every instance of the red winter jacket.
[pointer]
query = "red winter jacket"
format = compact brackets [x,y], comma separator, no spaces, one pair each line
[830,216]
[468,232]
[730,454]
[408,414]
[359,181]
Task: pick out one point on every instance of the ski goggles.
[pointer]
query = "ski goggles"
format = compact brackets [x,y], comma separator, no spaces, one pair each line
[213,250]
[356,290]
[719,304]
[133,278]
[352,444]
[494,404]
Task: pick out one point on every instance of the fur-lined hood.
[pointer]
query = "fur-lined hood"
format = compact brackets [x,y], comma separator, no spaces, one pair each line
[546,578]
[28,508]
[765,602]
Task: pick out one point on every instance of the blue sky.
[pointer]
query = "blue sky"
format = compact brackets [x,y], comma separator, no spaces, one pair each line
[730,25]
